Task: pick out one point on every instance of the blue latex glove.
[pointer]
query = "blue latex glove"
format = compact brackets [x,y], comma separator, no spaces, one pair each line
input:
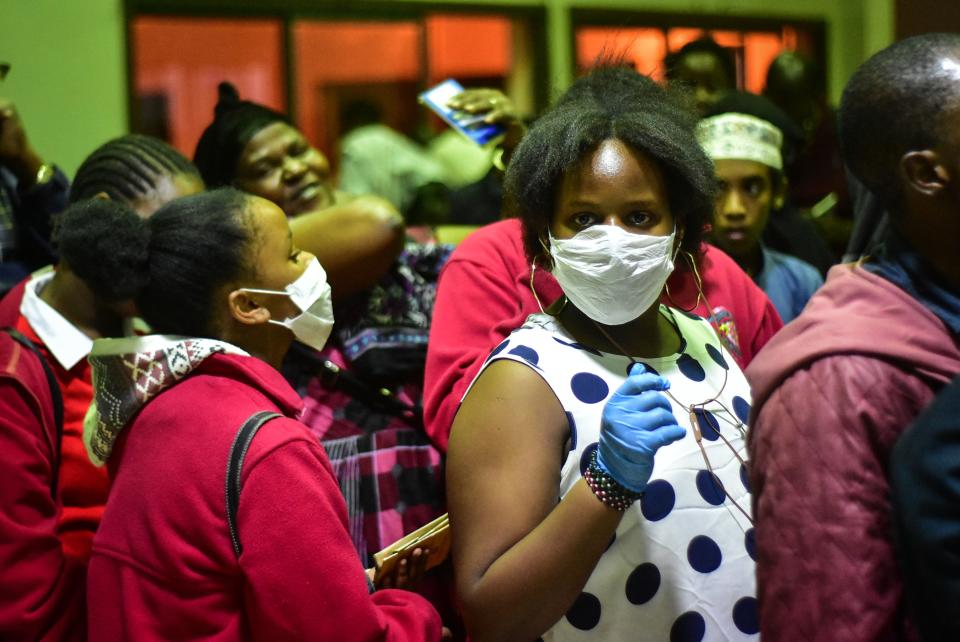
[636,422]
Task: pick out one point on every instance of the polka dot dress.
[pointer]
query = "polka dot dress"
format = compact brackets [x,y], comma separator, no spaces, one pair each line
[681,565]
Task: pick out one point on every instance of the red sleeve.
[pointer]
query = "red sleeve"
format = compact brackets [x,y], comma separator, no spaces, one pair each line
[768,324]
[304,579]
[819,448]
[730,292]
[41,589]
[476,308]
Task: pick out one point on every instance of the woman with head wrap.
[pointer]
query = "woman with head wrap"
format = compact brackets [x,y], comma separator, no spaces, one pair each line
[258,150]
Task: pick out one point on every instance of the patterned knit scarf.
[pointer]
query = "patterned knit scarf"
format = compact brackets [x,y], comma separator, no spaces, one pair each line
[127,373]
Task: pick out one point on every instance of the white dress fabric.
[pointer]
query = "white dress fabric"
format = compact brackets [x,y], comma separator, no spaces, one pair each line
[681,566]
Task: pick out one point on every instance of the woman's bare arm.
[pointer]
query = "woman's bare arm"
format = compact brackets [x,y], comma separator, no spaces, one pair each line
[356,241]
[521,558]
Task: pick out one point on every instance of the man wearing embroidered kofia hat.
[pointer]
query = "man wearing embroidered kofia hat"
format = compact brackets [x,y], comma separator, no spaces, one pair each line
[749,167]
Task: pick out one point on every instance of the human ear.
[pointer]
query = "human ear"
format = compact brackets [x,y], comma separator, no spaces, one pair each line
[780,192]
[245,309]
[924,173]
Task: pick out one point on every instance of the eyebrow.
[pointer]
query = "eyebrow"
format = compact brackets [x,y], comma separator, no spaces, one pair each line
[642,202]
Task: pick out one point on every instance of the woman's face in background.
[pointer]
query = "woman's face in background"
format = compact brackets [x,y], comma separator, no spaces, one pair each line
[613,185]
[279,165]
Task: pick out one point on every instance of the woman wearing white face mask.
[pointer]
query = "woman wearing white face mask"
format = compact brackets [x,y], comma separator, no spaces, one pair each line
[218,277]
[586,504]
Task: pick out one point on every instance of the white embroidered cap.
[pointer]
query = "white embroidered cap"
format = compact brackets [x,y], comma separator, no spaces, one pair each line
[741,137]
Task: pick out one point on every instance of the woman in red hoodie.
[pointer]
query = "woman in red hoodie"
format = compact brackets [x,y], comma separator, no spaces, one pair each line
[218,277]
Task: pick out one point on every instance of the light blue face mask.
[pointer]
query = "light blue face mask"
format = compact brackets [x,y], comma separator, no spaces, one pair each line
[612,275]
[311,293]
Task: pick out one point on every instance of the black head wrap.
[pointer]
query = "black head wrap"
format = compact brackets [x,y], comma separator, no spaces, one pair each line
[235,122]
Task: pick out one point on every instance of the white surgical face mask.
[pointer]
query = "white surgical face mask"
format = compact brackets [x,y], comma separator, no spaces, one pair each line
[611,275]
[311,293]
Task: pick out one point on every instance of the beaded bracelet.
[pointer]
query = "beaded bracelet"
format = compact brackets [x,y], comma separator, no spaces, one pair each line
[607,489]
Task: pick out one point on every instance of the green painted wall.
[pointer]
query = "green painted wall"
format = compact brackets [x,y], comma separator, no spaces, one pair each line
[69,70]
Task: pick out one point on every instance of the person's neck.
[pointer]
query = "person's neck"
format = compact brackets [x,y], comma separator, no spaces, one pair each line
[937,250]
[266,346]
[650,335]
[751,261]
[74,300]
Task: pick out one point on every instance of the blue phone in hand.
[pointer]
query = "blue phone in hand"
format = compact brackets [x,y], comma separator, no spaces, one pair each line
[470,125]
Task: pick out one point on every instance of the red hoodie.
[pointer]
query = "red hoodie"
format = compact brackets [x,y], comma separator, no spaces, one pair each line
[484,294]
[163,566]
[832,392]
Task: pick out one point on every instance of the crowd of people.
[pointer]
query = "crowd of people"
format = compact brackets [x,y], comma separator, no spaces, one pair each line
[650,397]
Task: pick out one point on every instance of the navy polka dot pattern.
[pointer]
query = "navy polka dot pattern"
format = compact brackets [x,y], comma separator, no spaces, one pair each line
[741,408]
[704,554]
[691,368]
[709,426]
[681,557]
[572,423]
[717,356]
[578,346]
[588,387]
[527,354]
[710,487]
[499,348]
[643,583]
[586,456]
[750,543]
[745,615]
[689,627]
[658,500]
[744,477]
[585,612]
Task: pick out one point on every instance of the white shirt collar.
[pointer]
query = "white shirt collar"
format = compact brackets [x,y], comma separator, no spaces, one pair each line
[67,344]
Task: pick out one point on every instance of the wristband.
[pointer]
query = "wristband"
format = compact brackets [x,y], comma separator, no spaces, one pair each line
[607,489]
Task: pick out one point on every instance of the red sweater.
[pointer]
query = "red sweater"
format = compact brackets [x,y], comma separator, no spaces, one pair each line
[84,487]
[163,567]
[41,588]
[484,294]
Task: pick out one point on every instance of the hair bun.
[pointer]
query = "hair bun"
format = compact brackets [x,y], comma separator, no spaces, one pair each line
[227,97]
[107,245]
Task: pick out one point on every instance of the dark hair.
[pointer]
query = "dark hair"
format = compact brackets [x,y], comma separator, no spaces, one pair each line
[894,103]
[702,45]
[235,122]
[792,74]
[610,103]
[128,168]
[171,264]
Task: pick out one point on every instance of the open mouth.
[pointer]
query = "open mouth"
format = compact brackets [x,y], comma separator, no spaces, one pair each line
[311,192]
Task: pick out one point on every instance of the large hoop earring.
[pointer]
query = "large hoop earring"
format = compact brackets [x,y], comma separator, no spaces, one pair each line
[696,279]
[533,268]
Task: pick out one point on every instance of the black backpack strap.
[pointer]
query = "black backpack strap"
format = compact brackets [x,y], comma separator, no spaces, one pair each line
[238,451]
[54,394]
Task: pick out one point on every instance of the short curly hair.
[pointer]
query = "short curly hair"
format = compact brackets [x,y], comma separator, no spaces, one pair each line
[610,103]
[894,103]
